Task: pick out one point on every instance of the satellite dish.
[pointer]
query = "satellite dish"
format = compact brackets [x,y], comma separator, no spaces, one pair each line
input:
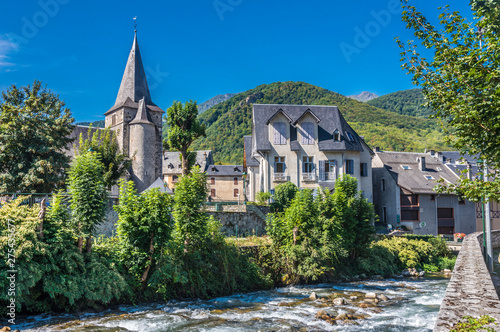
[423,224]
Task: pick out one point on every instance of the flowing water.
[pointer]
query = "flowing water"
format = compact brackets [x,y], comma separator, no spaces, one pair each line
[412,305]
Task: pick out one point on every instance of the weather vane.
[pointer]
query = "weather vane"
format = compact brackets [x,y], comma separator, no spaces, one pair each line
[135,24]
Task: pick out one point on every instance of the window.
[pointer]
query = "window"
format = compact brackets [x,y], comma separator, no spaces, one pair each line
[409,215]
[212,180]
[364,169]
[383,184]
[433,197]
[349,166]
[428,177]
[405,167]
[175,178]
[307,164]
[236,192]
[279,164]
[113,120]
[384,215]
[328,170]
[409,199]
[308,133]
[279,133]
[336,136]
[212,192]
[235,181]
[349,136]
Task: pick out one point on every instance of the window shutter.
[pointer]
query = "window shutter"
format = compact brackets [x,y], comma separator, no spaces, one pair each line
[282,133]
[322,170]
[276,133]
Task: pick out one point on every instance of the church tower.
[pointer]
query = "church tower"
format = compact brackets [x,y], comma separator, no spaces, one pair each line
[137,122]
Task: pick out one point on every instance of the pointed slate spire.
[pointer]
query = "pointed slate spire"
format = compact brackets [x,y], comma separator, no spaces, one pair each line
[142,115]
[134,84]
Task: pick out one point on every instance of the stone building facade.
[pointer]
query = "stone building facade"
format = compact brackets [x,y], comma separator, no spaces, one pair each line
[310,146]
[404,195]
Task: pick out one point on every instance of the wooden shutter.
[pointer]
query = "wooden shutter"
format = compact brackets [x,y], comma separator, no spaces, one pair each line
[322,170]
[276,133]
[282,133]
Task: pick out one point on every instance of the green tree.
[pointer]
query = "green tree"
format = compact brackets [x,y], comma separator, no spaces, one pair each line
[103,141]
[34,132]
[190,220]
[144,228]
[283,195]
[88,195]
[184,129]
[461,81]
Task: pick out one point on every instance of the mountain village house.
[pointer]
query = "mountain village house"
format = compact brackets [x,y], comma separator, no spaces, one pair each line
[311,146]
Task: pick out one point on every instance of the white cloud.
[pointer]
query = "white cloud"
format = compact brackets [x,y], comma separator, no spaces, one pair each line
[6,48]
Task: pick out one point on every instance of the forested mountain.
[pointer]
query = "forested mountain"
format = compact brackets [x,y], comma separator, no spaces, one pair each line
[229,121]
[364,96]
[214,101]
[95,124]
[406,102]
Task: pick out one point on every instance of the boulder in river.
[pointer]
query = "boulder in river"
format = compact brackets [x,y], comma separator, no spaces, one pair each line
[382,297]
[371,295]
[313,296]
[339,301]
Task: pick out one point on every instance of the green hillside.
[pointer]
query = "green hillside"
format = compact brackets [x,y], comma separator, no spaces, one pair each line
[406,102]
[229,121]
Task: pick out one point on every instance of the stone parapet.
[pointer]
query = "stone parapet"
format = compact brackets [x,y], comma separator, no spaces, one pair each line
[470,291]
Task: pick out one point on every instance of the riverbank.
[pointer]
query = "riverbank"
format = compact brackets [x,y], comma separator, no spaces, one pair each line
[412,305]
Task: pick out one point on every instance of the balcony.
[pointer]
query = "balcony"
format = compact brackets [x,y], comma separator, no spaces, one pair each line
[328,176]
[309,177]
[280,177]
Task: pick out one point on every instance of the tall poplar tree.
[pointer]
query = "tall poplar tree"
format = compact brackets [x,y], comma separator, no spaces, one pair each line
[34,134]
[184,129]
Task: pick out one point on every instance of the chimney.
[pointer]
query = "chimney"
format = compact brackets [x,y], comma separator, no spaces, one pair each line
[448,160]
[376,149]
[469,172]
[440,156]
[421,163]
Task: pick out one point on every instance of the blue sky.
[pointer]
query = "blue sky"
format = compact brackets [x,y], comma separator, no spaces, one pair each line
[196,49]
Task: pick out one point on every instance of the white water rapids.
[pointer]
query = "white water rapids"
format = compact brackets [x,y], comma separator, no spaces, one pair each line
[412,305]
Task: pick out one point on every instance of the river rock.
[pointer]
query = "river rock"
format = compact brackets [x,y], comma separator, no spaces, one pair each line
[378,277]
[371,295]
[421,274]
[362,276]
[341,316]
[353,298]
[322,314]
[446,271]
[339,301]
[5,329]
[382,297]
[410,272]
[313,296]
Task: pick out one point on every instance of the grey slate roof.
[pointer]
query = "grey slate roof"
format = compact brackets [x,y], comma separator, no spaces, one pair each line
[414,179]
[225,170]
[329,117]
[161,185]
[172,161]
[142,115]
[134,85]
[455,157]
[251,161]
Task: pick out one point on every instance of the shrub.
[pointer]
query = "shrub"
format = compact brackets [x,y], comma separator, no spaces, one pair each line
[263,198]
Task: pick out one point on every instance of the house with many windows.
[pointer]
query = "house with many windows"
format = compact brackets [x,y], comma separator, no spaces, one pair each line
[225,183]
[404,194]
[310,146]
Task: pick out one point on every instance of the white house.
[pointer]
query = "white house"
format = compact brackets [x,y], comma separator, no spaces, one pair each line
[310,146]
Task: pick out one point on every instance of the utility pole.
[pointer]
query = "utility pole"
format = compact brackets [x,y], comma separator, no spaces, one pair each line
[487,228]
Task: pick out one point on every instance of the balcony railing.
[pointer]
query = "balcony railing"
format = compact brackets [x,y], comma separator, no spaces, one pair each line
[280,177]
[309,177]
[328,176]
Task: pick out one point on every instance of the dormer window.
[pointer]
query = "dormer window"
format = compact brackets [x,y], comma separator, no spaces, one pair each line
[307,133]
[197,165]
[170,166]
[236,169]
[336,135]
[350,137]
[214,169]
[405,167]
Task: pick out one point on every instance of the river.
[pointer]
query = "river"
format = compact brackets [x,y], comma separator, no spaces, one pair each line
[411,305]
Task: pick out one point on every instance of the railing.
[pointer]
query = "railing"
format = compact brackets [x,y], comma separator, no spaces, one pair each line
[280,177]
[328,176]
[308,176]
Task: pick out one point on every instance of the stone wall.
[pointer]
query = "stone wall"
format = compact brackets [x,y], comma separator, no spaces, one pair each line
[470,291]
[241,220]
